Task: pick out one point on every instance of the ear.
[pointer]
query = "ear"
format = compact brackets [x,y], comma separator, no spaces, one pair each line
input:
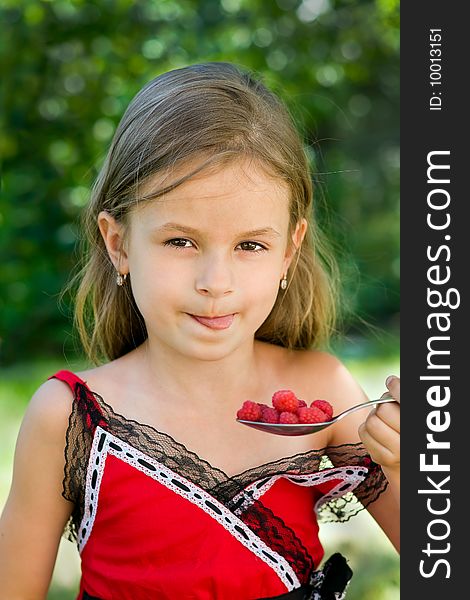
[297,239]
[113,236]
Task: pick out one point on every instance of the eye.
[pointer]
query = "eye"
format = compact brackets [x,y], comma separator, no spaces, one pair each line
[178,243]
[252,247]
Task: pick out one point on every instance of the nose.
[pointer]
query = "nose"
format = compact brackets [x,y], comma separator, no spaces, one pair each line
[215,277]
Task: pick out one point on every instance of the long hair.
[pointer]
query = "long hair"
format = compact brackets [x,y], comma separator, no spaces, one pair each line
[215,112]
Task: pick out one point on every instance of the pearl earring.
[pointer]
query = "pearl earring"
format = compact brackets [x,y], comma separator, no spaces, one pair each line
[284,282]
[121,278]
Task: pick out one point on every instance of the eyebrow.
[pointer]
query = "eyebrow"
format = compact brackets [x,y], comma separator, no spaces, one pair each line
[269,231]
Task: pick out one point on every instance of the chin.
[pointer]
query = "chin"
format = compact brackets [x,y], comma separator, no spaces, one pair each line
[209,352]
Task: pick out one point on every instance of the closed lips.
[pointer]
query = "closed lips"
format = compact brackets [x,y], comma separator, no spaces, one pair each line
[214,317]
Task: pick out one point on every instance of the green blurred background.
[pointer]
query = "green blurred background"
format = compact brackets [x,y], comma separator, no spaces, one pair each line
[68,70]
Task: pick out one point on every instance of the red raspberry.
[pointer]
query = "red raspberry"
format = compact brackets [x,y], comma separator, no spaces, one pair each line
[302,404]
[285,401]
[269,415]
[324,406]
[250,411]
[288,417]
[312,414]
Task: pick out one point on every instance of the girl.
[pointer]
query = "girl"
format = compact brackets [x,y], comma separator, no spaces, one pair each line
[205,286]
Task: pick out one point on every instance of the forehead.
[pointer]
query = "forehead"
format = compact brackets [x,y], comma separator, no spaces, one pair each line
[240,194]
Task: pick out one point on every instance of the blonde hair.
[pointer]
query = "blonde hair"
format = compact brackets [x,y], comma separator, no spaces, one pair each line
[218,112]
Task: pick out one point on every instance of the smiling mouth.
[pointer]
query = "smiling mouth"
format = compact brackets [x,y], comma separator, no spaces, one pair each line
[222,322]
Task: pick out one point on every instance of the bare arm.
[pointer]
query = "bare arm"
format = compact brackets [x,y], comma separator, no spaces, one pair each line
[35,513]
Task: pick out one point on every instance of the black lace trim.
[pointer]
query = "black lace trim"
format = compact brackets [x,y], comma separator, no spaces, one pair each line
[279,537]
[90,410]
[85,416]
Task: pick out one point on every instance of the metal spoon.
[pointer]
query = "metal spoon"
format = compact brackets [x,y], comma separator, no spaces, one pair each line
[306,428]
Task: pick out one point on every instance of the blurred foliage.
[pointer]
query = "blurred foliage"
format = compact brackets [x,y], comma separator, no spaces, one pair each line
[70,67]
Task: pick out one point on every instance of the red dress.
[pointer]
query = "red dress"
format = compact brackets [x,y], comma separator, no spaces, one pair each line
[152,520]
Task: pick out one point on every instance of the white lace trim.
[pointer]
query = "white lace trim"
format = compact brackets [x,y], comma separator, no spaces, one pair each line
[350,477]
[105,443]
[94,475]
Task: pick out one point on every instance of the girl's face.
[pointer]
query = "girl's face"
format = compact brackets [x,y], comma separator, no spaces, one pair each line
[205,260]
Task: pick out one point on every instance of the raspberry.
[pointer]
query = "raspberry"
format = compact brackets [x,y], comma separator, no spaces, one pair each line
[312,414]
[324,406]
[302,404]
[269,415]
[288,417]
[285,401]
[250,411]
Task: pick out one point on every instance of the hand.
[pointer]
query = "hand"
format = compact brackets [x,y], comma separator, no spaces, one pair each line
[380,432]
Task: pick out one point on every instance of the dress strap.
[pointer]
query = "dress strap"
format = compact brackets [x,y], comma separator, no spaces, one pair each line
[84,399]
[86,415]
[69,378]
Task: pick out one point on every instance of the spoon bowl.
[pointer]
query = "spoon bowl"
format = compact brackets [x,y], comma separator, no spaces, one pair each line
[306,428]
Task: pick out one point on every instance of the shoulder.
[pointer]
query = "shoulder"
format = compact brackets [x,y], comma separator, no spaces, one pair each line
[39,453]
[120,370]
[48,411]
[331,380]
[110,379]
[314,374]
[330,377]
[317,359]
[321,369]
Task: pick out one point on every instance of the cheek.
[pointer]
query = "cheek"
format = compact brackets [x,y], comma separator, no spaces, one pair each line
[261,285]
[260,290]
[154,286]
[264,275]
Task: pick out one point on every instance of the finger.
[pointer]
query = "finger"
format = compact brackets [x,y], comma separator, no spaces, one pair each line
[382,433]
[389,452]
[393,385]
[390,415]
[378,452]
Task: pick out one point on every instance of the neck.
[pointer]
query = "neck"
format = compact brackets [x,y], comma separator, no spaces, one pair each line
[198,384]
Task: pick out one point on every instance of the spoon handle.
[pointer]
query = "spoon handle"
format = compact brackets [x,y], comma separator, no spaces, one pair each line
[364,405]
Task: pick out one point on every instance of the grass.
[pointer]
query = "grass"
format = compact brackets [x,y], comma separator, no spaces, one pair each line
[371,556]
